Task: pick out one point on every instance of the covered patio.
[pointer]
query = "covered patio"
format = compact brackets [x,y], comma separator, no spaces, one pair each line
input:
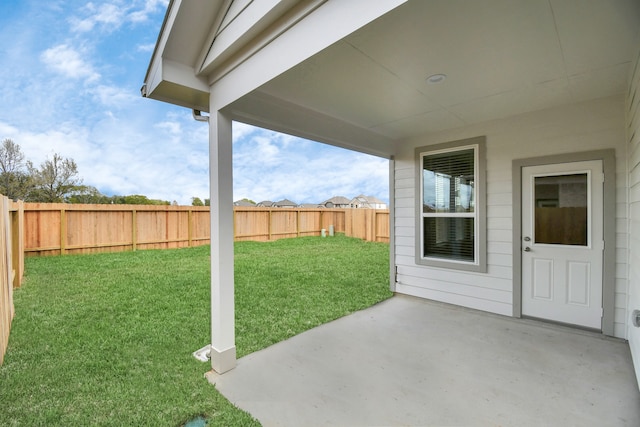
[526,90]
[410,361]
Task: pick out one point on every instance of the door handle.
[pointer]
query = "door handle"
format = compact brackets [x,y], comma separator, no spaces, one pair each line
[527,249]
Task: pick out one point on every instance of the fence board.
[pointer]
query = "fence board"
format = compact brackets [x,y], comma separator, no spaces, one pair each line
[252,224]
[11,265]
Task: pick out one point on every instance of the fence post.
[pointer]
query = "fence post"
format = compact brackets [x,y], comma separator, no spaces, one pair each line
[63,231]
[297,222]
[17,241]
[235,230]
[6,289]
[371,221]
[190,227]
[134,229]
[269,228]
[375,225]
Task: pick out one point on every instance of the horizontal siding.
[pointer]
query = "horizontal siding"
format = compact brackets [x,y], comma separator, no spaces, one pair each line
[633,256]
[496,223]
[458,299]
[580,127]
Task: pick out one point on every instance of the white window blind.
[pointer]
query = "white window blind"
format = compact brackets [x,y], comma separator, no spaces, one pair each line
[448,204]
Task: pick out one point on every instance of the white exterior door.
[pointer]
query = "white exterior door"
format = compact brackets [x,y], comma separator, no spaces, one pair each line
[562,242]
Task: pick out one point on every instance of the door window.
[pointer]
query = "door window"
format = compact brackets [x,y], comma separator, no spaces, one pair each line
[561,209]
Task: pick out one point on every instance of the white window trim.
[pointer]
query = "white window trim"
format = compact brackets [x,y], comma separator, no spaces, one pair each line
[480,223]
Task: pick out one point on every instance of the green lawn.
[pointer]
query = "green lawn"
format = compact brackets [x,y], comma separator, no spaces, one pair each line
[107,339]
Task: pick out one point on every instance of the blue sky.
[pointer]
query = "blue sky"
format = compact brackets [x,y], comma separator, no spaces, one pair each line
[70,78]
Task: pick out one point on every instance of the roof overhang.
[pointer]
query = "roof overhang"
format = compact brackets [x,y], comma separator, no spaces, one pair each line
[171,76]
[202,41]
[355,73]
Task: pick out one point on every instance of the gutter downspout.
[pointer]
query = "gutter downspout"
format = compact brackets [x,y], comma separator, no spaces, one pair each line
[197,115]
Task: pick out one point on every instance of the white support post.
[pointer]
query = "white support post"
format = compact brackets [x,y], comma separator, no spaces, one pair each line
[223,350]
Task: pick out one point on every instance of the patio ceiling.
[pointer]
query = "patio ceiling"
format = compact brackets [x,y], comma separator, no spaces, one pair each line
[501,58]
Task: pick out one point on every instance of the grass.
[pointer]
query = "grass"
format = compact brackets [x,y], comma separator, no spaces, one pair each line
[106,339]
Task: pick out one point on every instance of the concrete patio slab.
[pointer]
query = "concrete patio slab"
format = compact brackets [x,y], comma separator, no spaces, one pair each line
[412,362]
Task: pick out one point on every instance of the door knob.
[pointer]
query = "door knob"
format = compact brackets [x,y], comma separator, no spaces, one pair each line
[527,249]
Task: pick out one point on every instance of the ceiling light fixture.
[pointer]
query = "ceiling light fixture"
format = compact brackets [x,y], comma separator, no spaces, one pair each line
[436,78]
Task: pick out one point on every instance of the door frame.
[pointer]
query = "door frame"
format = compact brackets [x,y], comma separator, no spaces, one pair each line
[608,158]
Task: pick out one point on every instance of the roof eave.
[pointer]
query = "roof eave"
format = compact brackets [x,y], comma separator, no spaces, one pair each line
[176,84]
[176,81]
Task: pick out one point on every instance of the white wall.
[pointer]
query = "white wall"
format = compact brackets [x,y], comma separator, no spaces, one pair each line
[633,147]
[583,126]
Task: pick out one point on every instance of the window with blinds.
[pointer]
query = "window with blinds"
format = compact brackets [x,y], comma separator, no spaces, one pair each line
[449,215]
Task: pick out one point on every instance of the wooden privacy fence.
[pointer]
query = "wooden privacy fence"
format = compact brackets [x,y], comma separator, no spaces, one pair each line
[11,264]
[57,228]
[264,224]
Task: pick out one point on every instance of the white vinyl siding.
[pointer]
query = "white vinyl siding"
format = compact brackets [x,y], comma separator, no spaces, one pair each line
[584,126]
[631,257]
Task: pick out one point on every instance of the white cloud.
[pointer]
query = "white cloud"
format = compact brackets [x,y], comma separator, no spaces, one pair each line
[273,166]
[173,128]
[107,15]
[67,61]
[240,130]
[124,144]
[146,47]
[65,140]
[111,16]
[150,6]
[7,131]
[114,96]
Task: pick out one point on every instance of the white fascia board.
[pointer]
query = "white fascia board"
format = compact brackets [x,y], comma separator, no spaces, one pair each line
[321,28]
[153,77]
[176,83]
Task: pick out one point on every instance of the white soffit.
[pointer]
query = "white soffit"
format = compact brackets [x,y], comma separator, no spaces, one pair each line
[501,57]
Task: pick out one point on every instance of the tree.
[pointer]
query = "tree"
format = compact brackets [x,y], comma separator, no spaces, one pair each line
[88,195]
[54,180]
[196,201]
[15,183]
[137,199]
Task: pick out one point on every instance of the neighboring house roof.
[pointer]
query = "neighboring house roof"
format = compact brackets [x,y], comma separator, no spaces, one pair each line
[310,205]
[363,201]
[336,202]
[285,203]
[265,204]
[244,203]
